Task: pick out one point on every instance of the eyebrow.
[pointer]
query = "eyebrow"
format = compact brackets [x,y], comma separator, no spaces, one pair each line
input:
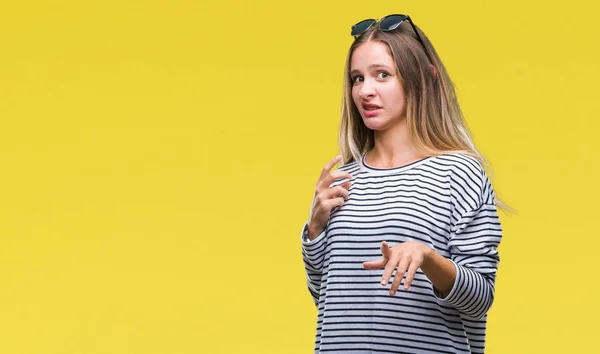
[372,66]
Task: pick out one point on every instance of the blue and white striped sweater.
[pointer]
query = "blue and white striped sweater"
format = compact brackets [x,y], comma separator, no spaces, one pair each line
[446,202]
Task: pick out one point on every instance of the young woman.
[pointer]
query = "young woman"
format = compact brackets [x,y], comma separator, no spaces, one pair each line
[400,249]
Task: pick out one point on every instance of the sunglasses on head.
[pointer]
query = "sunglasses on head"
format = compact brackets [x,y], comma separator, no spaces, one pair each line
[387,23]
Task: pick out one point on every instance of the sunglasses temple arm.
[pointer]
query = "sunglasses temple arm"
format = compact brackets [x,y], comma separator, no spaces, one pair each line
[415,29]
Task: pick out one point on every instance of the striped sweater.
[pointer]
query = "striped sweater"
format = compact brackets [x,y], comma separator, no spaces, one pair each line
[446,202]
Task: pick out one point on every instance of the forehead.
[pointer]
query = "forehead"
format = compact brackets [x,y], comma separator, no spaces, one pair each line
[371,52]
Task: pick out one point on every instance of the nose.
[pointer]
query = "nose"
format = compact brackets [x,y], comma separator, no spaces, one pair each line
[366,90]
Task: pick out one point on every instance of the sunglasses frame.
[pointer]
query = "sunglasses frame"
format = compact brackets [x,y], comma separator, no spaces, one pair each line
[393,27]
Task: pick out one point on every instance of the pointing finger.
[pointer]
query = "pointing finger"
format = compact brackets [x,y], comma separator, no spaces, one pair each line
[329,166]
[378,264]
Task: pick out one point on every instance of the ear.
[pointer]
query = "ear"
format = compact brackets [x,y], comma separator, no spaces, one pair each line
[433,71]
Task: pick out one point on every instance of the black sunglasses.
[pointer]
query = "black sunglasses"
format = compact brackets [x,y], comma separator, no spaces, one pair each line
[387,23]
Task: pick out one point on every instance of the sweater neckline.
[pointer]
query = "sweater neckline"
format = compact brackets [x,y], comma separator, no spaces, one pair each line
[391,170]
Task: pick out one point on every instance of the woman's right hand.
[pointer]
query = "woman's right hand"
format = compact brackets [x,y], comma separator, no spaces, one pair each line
[326,197]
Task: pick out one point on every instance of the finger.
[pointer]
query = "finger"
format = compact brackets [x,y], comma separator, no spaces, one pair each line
[346,185]
[345,190]
[327,168]
[335,192]
[332,203]
[328,180]
[340,175]
[410,276]
[385,250]
[389,269]
[378,264]
[399,275]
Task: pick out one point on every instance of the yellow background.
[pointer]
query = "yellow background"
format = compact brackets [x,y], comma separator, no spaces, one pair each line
[158,160]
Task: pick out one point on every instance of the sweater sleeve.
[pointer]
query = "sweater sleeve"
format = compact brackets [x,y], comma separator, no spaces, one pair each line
[474,239]
[313,254]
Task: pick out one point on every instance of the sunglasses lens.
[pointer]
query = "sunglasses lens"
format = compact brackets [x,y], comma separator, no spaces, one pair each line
[392,22]
[361,27]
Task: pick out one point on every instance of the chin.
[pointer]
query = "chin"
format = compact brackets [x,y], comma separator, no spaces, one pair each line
[375,123]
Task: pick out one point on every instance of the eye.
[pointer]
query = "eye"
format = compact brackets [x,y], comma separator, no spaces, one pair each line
[382,74]
[356,78]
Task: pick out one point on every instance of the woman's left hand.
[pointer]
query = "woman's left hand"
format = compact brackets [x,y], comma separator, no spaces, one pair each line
[406,256]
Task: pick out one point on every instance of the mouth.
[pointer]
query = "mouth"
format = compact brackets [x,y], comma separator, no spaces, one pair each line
[370,107]
[371,110]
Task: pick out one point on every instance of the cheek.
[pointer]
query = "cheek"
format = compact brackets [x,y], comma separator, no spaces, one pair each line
[394,94]
[355,97]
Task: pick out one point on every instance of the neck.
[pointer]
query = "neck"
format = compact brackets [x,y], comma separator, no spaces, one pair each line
[393,147]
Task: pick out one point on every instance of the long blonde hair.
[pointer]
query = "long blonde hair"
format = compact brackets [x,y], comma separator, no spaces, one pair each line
[433,116]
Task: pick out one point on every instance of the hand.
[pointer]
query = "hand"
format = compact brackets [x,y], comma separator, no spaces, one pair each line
[326,197]
[407,256]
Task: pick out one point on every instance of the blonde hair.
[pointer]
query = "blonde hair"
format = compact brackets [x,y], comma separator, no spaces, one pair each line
[434,119]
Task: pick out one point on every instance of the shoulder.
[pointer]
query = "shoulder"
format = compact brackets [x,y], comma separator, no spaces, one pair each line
[349,167]
[460,163]
[468,180]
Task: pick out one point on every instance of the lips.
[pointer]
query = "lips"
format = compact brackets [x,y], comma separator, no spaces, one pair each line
[370,106]
[370,109]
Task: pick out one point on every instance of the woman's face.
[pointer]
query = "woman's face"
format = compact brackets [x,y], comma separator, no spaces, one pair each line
[376,89]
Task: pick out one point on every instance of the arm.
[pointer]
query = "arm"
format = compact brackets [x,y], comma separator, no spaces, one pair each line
[314,240]
[473,246]
[313,255]
[440,270]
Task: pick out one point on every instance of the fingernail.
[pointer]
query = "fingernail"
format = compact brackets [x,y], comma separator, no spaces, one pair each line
[383,282]
[392,292]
